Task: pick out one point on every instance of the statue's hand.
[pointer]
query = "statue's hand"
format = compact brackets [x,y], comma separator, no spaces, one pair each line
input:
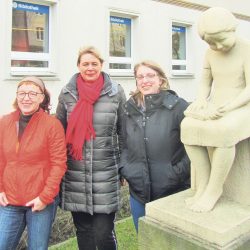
[197,109]
[225,108]
[213,113]
[204,111]
[197,105]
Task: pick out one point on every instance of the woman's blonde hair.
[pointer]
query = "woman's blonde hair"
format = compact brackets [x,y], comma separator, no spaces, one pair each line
[89,50]
[137,95]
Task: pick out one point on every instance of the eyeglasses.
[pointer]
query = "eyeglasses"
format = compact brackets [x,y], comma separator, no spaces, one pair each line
[31,94]
[148,77]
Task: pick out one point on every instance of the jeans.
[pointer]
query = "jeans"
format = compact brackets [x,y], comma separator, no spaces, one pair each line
[137,210]
[14,219]
[95,230]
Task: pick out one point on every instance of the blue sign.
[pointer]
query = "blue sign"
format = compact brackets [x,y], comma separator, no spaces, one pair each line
[30,7]
[178,29]
[120,20]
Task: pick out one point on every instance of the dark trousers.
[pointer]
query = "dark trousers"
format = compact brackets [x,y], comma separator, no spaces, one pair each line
[95,230]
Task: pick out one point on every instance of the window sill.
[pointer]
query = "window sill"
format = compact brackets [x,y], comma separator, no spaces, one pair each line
[15,76]
[121,74]
[181,75]
[36,73]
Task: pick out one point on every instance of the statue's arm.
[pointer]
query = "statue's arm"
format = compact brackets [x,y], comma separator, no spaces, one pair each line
[205,86]
[197,108]
[206,80]
[244,97]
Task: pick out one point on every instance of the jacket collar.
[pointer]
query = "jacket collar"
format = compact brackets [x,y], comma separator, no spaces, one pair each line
[15,115]
[108,87]
[167,99]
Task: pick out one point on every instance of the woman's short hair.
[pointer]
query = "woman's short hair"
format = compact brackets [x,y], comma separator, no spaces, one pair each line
[156,67]
[215,20]
[45,105]
[89,50]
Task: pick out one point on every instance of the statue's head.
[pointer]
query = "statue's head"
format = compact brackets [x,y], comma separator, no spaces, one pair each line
[215,20]
[217,27]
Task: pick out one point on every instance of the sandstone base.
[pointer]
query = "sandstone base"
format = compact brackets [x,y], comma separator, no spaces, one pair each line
[168,224]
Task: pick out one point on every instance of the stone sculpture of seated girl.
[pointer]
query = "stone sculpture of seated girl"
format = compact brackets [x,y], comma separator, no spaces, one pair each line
[220,117]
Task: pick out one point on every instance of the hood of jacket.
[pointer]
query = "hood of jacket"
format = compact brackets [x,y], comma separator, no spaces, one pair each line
[167,99]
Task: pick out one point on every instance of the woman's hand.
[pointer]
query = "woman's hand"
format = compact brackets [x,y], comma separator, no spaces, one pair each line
[123,182]
[36,204]
[3,199]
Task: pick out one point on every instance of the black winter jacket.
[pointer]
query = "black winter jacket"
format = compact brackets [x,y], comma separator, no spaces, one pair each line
[92,185]
[154,161]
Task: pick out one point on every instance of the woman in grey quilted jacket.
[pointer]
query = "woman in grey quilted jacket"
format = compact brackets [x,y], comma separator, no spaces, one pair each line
[90,109]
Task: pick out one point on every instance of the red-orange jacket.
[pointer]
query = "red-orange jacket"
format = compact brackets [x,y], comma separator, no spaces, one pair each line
[34,166]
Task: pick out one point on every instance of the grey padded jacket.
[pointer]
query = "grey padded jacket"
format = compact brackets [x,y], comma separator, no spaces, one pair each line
[92,185]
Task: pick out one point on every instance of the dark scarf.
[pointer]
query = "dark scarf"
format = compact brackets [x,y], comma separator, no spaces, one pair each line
[80,124]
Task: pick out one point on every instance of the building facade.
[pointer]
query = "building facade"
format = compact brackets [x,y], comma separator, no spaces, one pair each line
[43,37]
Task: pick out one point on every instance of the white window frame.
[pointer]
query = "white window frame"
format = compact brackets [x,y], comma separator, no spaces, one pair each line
[122,60]
[189,62]
[50,70]
[30,57]
[39,33]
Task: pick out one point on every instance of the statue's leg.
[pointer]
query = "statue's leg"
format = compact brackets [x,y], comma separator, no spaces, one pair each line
[200,162]
[222,162]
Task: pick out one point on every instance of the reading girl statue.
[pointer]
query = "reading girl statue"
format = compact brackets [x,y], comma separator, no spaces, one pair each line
[220,117]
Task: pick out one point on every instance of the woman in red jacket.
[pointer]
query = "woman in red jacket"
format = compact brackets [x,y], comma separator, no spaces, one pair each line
[32,163]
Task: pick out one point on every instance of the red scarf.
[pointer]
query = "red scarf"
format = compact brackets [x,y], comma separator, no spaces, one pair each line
[80,123]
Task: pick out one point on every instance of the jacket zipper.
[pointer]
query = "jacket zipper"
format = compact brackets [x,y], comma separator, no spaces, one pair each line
[144,119]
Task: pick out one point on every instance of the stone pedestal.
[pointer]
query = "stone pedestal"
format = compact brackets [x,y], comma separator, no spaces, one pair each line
[168,224]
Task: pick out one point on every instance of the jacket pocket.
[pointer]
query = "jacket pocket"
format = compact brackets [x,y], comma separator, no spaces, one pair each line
[133,173]
[164,180]
[23,183]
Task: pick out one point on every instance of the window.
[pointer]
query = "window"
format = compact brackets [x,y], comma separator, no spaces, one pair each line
[30,37]
[40,33]
[181,46]
[120,51]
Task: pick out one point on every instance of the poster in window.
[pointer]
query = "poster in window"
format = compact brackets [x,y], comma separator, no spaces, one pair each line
[178,43]
[30,27]
[120,36]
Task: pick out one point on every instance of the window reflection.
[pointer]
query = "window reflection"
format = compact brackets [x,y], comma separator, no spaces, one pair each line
[28,63]
[178,43]
[30,28]
[120,37]
[119,66]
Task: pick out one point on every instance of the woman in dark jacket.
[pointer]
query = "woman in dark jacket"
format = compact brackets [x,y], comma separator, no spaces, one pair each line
[90,109]
[153,161]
